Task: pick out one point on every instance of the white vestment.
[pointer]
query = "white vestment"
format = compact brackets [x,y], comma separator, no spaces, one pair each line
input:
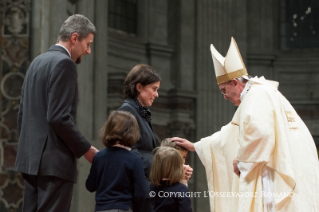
[276,154]
[217,153]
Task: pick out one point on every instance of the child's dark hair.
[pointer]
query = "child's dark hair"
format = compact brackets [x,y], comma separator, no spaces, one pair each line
[167,163]
[169,143]
[121,128]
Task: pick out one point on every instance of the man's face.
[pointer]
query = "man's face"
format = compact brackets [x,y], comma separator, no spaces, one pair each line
[81,48]
[231,91]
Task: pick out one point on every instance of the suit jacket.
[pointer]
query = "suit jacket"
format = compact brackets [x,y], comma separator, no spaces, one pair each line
[49,140]
[146,144]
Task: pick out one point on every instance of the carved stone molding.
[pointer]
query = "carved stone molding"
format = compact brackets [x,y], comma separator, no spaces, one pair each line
[14,52]
[14,61]
[11,190]
[15,17]
[11,85]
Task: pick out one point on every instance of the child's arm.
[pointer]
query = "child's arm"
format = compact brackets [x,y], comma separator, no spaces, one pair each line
[90,183]
[140,186]
[184,202]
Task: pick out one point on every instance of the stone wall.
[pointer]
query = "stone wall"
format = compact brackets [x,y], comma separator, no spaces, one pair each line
[173,37]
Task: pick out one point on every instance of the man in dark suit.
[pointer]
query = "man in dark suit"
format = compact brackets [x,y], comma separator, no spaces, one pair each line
[50,142]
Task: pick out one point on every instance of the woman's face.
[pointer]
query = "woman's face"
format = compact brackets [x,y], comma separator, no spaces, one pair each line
[147,93]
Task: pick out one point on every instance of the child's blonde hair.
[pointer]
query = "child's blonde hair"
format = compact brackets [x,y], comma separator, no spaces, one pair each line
[167,163]
[169,143]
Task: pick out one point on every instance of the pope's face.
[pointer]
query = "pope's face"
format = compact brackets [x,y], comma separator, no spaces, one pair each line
[231,91]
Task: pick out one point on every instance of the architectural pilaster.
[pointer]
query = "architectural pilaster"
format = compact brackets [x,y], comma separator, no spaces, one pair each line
[214,23]
[92,106]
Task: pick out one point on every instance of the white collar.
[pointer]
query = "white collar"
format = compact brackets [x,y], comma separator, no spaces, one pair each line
[260,80]
[245,90]
[64,48]
[122,146]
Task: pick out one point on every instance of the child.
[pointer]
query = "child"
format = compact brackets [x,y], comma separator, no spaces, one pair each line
[117,175]
[169,143]
[168,194]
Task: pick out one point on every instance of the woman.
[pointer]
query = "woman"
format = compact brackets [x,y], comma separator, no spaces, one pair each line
[140,89]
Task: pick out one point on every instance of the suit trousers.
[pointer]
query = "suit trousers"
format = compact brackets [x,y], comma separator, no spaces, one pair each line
[46,194]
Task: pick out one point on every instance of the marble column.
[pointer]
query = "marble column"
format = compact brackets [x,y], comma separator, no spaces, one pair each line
[92,106]
[215,21]
[47,18]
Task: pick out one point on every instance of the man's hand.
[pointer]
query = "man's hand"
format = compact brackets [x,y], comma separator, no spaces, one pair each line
[89,155]
[184,143]
[188,172]
[236,170]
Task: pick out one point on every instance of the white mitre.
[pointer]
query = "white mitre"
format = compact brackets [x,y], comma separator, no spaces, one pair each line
[230,67]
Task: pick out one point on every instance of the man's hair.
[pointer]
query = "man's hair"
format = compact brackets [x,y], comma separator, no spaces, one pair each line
[76,24]
[169,143]
[121,128]
[243,80]
[140,73]
[167,163]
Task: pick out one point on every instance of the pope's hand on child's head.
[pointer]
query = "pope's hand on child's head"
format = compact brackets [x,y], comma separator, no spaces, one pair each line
[188,172]
[184,143]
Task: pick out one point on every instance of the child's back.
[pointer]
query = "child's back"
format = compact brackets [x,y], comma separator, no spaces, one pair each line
[117,177]
[116,174]
[167,193]
[170,198]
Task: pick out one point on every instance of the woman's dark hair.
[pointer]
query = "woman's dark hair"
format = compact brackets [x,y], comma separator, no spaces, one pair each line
[121,128]
[140,73]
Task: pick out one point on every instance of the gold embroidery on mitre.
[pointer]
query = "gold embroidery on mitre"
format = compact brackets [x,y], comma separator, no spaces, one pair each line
[232,75]
[290,116]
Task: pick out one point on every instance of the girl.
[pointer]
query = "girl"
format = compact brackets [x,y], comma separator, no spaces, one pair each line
[167,193]
[117,175]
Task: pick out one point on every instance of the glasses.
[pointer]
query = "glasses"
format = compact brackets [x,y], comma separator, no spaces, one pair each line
[223,90]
